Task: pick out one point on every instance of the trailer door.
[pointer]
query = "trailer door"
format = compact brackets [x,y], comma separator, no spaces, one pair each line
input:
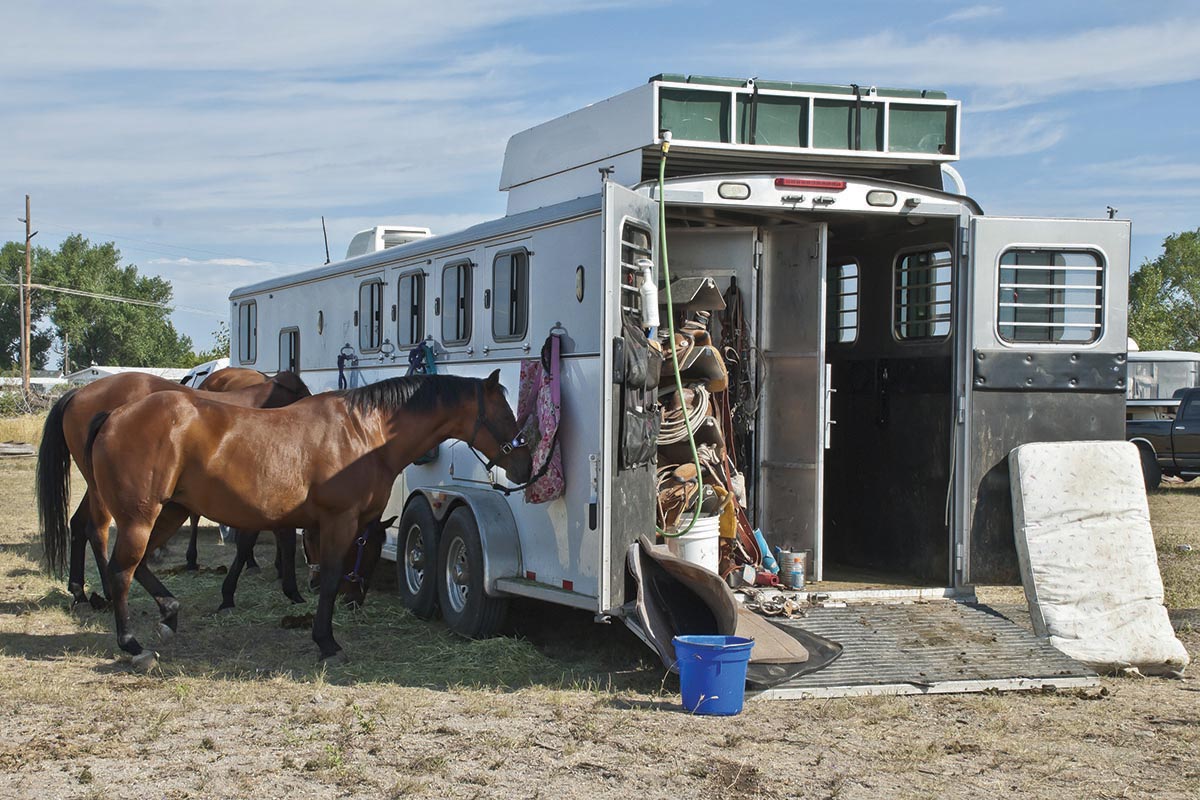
[626,493]
[1044,328]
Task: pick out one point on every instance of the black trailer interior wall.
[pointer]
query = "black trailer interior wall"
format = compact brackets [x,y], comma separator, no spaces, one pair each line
[887,470]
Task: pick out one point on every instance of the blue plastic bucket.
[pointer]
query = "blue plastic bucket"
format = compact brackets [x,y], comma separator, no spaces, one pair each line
[712,673]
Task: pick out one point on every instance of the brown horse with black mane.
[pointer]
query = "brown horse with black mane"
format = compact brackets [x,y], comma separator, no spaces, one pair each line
[65,435]
[325,462]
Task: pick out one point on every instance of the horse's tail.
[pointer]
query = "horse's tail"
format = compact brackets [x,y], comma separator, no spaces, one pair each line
[53,487]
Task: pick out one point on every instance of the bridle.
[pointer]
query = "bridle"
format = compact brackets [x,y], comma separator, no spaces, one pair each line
[481,421]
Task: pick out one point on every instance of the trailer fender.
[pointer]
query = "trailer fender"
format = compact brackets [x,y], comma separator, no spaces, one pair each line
[497,528]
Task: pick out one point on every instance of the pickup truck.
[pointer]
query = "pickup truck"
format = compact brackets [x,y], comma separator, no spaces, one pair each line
[1169,446]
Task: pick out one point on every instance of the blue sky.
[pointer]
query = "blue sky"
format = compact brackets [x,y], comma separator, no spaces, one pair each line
[207,138]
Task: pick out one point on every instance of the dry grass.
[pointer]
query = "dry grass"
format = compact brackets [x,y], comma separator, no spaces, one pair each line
[23,428]
[1175,515]
[567,710]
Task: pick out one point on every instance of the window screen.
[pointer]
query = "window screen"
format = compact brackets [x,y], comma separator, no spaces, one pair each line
[370,315]
[248,332]
[411,309]
[289,350]
[1051,296]
[842,303]
[510,290]
[922,295]
[456,303]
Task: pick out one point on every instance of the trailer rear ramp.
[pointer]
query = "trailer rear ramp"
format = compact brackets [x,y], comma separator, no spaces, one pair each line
[930,647]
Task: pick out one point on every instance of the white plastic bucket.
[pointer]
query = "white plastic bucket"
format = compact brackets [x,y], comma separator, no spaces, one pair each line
[700,545]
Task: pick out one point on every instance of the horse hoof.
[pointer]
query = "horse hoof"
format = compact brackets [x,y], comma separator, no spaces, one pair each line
[145,661]
[338,659]
[253,570]
[191,568]
[226,610]
[98,602]
[165,634]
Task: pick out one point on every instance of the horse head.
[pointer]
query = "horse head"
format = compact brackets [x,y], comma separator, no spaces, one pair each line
[497,434]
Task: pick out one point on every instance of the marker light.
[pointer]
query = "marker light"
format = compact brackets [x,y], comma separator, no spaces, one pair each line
[879,197]
[809,183]
[734,191]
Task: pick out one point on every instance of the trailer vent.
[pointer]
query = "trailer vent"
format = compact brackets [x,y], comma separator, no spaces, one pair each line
[381,237]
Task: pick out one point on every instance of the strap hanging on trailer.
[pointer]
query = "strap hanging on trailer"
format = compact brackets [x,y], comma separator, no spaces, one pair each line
[422,361]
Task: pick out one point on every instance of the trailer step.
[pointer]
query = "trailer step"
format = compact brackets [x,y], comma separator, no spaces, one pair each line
[934,647]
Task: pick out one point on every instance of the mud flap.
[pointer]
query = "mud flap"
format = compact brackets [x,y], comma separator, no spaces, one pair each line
[667,597]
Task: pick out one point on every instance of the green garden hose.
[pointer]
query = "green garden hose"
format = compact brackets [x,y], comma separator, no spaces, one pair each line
[662,239]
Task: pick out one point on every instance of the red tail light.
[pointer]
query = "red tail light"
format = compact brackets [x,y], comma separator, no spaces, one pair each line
[809,183]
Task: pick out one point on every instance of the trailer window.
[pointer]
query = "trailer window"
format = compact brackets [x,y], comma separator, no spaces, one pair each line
[289,350]
[411,309]
[922,291]
[510,290]
[1051,296]
[456,303]
[248,332]
[635,246]
[842,302]
[370,315]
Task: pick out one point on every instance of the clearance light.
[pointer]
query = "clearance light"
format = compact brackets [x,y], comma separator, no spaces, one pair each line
[809,183]
[733,191]
[881,198]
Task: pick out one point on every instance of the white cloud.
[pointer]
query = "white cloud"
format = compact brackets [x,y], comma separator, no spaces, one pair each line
[1005,71]
[993,135]
[970,14]
[206,262]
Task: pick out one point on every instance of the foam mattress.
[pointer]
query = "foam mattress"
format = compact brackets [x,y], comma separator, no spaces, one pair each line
[1087,556]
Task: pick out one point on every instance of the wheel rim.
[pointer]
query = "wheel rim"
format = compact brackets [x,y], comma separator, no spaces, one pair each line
[414,559]
[458,576]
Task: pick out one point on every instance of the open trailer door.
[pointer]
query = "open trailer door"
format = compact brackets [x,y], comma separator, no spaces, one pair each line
[1045,362]
[626,471]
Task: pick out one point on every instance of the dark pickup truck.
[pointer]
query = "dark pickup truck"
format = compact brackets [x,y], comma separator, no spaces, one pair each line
[1169,446]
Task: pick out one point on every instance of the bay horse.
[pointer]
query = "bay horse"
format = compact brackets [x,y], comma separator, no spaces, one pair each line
[64,437]
[326,462]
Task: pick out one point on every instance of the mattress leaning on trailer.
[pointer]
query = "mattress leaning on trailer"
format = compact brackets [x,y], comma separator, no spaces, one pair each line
[1087,556]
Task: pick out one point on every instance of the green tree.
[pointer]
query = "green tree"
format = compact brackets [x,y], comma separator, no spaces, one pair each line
[12,270]
[220,348]
[1164,296]
[95,330]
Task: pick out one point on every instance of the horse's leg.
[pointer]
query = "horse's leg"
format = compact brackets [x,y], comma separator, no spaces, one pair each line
[192,563]
[132,538]
[312,556]
[79,544]
[245,548]
[336,534]
[279,556]
[252,567]
[168,522]
[98,522]
[285,549]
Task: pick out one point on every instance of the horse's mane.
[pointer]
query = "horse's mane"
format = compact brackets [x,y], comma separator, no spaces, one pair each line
[419,393]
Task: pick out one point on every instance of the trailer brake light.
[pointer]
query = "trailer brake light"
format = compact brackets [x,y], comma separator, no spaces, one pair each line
[809,183]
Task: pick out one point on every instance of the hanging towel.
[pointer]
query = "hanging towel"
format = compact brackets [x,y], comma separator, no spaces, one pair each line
[539,408]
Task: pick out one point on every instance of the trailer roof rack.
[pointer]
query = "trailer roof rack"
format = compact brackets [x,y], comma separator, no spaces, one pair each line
[731,124]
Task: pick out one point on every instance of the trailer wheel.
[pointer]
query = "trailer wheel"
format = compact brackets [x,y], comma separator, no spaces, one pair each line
[416,556]
[1151,471]
[466,607]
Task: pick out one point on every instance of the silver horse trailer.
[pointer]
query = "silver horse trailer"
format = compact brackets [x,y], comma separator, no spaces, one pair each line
[903,342]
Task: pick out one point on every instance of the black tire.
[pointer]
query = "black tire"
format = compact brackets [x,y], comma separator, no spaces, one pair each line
[416,559]
[1151,471]
[466,607]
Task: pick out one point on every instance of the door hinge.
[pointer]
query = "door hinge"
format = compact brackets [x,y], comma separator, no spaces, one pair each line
[962,409]
[964,244]
[758,254]
[958,558]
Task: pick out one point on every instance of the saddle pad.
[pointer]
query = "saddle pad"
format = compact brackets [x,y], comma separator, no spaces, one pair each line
[1087,556]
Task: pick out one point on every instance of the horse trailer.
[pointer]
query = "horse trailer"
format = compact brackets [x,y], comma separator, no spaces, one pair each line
[901,342]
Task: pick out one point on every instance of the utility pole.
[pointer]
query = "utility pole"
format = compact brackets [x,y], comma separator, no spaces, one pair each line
[26,300]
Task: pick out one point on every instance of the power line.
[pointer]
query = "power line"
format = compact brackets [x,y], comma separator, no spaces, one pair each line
[118,299]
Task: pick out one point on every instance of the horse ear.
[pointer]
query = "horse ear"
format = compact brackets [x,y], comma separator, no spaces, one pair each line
[494,378]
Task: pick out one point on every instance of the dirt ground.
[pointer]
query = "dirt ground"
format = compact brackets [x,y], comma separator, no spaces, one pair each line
[562,708]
